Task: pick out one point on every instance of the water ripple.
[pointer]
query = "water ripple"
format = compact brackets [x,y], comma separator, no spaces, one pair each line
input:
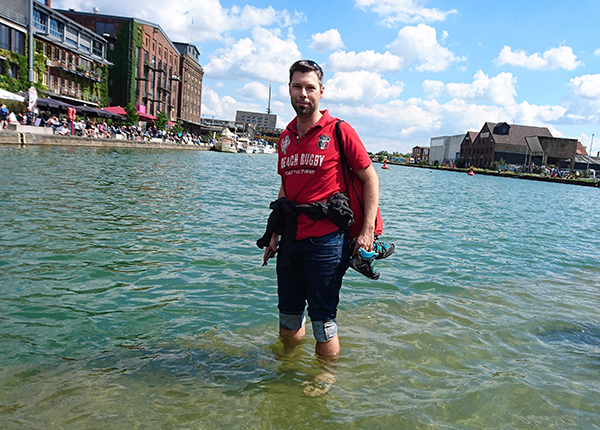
[132,295]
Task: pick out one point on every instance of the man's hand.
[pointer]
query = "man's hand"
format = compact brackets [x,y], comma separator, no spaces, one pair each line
[364,240]
[271,250]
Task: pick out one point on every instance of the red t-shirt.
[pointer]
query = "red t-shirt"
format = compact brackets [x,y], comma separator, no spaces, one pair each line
[311,170]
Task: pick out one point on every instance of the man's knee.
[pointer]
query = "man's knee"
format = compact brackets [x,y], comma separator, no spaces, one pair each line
[324,331]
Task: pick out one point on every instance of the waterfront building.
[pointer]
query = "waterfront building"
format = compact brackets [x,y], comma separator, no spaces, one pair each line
[190,94]
[13,33]
[420,153]
[146,63]
[498,141]
[221,123]
[265,121]
[69,60]
[444,149]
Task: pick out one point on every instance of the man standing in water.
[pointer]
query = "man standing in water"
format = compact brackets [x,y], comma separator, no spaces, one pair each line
[310,167]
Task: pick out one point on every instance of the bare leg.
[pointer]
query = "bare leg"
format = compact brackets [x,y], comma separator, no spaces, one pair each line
[329,350]
[287,335]
[291,339]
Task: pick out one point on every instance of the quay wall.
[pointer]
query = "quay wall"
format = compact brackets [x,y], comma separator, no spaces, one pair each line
[8,137]
[531,177]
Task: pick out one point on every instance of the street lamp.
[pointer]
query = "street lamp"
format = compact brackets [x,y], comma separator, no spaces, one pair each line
[588,163]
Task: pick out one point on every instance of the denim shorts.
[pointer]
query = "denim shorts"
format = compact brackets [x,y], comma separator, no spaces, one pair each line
[314,278]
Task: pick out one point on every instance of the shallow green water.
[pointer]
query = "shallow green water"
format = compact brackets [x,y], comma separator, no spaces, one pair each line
[132,296]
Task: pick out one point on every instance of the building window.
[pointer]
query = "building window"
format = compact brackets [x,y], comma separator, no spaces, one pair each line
[56,28]
[19,42]
[39,20]
[5,38]
[71,36]
[105,28]
[86,42]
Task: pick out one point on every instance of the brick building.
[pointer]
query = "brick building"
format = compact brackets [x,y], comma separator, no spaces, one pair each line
[69,60]
[420,153]
[498,141]
[146,63]
[190,94]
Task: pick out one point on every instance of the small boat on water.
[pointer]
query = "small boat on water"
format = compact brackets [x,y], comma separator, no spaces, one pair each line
[226,144]
[265,149]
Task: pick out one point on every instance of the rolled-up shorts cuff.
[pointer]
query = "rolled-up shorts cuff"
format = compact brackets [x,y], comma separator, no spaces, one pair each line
[324,331]
[291,322]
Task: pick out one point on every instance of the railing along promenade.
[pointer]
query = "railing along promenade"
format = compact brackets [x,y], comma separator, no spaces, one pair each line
[33,136]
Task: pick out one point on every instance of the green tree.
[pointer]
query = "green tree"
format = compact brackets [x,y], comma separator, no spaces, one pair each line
[132,115]
[177,128]
[162,119]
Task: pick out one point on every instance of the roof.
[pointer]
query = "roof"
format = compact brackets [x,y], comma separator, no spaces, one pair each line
[581,149]
[517,133]
[121,18]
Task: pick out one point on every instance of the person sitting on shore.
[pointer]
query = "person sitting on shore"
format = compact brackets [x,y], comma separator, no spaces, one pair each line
[103,130]
[90,128]
[79,128]
[64,130]
[53,122]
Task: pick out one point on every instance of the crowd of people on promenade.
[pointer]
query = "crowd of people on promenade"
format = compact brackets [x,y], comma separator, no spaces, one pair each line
[96,128]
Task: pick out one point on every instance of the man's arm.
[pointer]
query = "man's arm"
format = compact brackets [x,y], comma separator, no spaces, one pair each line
[275,237]
[370,180]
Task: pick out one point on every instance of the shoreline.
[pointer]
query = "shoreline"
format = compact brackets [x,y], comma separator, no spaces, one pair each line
[34,139]
[529,176]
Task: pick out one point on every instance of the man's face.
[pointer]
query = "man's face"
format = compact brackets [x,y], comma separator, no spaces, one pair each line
[305,93]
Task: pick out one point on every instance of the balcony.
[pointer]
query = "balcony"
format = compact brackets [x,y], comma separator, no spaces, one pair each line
[75,70]
[80,95]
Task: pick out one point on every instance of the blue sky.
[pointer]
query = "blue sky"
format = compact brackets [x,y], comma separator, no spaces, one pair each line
[399,71]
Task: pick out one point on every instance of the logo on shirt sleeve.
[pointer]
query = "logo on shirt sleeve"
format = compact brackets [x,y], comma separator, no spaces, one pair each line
[323,142]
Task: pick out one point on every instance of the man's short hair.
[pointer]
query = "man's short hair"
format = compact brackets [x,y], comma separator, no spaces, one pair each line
[305,66]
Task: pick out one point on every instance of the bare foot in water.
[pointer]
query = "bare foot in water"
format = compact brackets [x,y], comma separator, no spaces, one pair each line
[319,385]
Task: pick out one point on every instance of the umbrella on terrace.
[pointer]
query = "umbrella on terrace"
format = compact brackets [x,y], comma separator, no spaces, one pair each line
[146,117]
[112,115]
[52,104]
[87,110]
[7,95]
[120,111]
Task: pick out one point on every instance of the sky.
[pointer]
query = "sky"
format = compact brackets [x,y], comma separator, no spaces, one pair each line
[399,71]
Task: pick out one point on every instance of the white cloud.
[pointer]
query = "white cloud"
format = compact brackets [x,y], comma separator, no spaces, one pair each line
[360,87]
[406,123]
[499,90]
[225,107]
[597,52]
[367,60]
[419,44]
[328,41]
[265,56]
[583,100]
[254,91]
[393,12]
[190,20]
[554,58]
[586,86]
